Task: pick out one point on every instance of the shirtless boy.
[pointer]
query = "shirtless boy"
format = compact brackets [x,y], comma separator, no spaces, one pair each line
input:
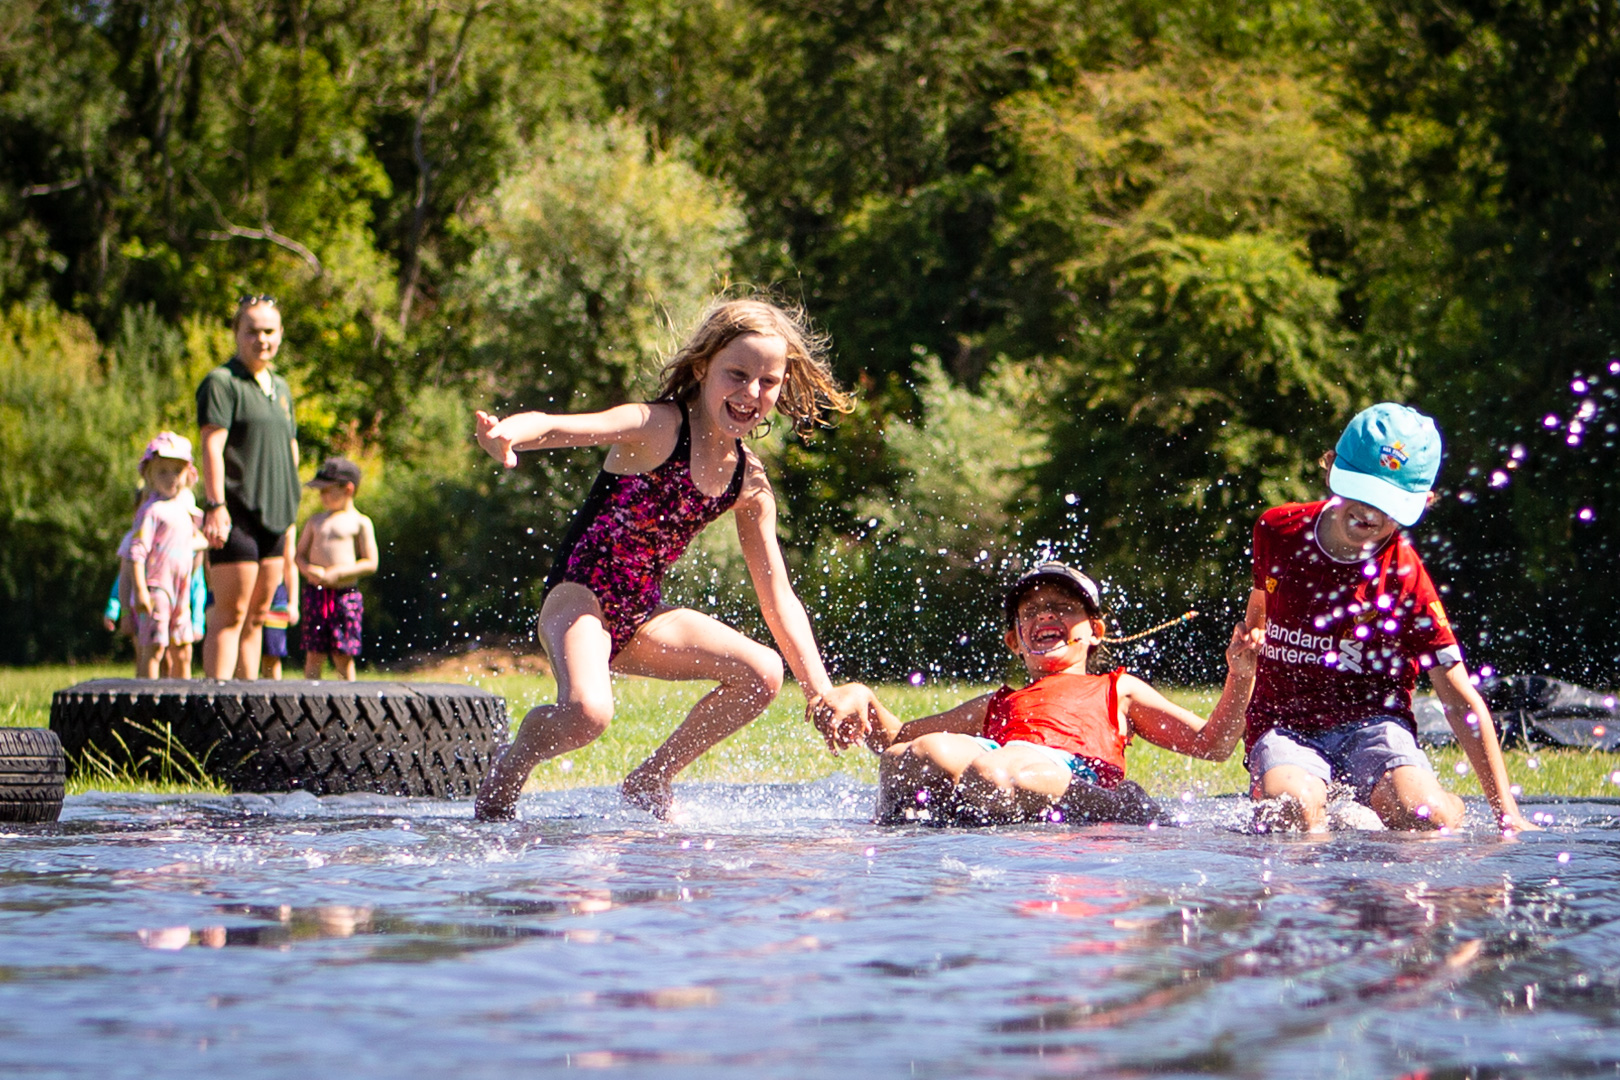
[338,547]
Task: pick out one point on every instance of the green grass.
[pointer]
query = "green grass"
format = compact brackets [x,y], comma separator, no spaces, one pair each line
[782,747]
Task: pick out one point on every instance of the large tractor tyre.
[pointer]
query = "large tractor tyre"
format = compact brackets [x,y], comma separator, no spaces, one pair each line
[327,738]
[33,774]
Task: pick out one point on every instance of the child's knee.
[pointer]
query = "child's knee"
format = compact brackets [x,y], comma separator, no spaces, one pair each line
[768,674]
[927,749]
[593,713]
[1413,798]
[987,773]
[1307,790]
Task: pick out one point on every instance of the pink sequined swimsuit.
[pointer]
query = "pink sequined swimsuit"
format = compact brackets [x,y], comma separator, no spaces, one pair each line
[632,529]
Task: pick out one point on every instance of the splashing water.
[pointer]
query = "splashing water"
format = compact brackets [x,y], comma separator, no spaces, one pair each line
[774,932]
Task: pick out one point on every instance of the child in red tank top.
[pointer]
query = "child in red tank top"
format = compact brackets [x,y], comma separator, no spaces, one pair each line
[1057,746]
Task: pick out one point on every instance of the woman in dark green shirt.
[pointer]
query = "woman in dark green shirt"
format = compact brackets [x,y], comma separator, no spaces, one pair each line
[250,490]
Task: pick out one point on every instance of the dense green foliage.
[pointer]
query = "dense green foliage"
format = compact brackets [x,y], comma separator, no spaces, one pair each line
[1108,276]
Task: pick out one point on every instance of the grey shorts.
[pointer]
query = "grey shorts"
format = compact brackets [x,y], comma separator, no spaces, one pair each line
[1356,754]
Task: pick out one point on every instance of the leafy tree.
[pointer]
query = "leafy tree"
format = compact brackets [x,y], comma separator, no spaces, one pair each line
[1489,185]
[592,258]
[1175,225]
[73,420]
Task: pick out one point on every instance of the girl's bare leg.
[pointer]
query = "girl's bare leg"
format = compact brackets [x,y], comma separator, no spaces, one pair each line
[177,664]
[148,658]
[923,773]
[258,610]
[233,585]
[579,647]
[681,644]
[344,663]
[313,662]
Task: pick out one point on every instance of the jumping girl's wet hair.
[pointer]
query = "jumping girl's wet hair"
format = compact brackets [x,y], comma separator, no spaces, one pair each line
[809,389]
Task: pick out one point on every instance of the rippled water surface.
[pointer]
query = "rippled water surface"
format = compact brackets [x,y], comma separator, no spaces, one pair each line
[775,933]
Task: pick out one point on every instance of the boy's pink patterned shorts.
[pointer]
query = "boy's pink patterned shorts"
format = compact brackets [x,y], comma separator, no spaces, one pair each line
[332,620]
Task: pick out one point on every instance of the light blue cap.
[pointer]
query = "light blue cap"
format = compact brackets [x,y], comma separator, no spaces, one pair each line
[1388,458]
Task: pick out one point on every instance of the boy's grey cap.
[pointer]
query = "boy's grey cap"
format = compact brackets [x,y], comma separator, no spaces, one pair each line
[1056,573]
[336,470]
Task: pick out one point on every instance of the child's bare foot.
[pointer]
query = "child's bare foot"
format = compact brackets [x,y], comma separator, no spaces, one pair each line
[497,797]
[650,791]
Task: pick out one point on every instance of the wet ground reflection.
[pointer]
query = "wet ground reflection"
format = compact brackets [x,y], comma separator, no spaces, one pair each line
[776,933]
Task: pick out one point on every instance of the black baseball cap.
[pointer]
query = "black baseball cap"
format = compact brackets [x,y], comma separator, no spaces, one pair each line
[336,470]
[1054,573]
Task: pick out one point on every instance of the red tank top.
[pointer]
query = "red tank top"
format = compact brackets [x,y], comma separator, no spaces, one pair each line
[1076,713]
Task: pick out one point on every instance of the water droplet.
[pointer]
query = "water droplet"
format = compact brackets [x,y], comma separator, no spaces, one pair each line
[1586,513]
[1563,856]
[1499,478]
[1550,420]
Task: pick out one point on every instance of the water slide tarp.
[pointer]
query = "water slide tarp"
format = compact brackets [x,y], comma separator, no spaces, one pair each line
[1532,710]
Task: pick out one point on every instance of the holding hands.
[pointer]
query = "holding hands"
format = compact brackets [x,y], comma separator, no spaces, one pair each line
[1243,651]
[845,715]
[216,526]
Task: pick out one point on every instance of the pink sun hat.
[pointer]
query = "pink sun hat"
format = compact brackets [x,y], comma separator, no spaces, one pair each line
[166,444]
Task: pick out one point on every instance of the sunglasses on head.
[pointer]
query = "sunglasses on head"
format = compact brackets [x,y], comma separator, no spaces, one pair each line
[255,300]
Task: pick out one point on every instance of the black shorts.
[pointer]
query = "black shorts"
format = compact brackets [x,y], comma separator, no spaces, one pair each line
[249,541]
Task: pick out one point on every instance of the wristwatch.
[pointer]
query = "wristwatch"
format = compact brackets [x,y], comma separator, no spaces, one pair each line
[209,506]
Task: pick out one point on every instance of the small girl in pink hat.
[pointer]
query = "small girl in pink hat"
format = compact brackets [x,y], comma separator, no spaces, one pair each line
[162,548]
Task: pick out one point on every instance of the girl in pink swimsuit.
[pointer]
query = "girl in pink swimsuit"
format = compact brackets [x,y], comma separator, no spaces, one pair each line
[676,464]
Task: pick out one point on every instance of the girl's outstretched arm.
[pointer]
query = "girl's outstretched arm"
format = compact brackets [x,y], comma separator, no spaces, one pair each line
[623,424]
[842,714]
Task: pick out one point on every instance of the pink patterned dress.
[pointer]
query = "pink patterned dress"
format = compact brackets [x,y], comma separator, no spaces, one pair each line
[632,529]
[163,541]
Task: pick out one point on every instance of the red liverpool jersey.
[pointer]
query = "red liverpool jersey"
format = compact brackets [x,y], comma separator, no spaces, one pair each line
[1344,641]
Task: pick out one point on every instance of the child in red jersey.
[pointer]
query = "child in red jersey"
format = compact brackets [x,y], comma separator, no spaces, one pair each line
[1058,743]
[1347,617]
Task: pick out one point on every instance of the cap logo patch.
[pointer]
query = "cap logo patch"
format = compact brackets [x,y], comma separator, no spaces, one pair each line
[1392,457]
